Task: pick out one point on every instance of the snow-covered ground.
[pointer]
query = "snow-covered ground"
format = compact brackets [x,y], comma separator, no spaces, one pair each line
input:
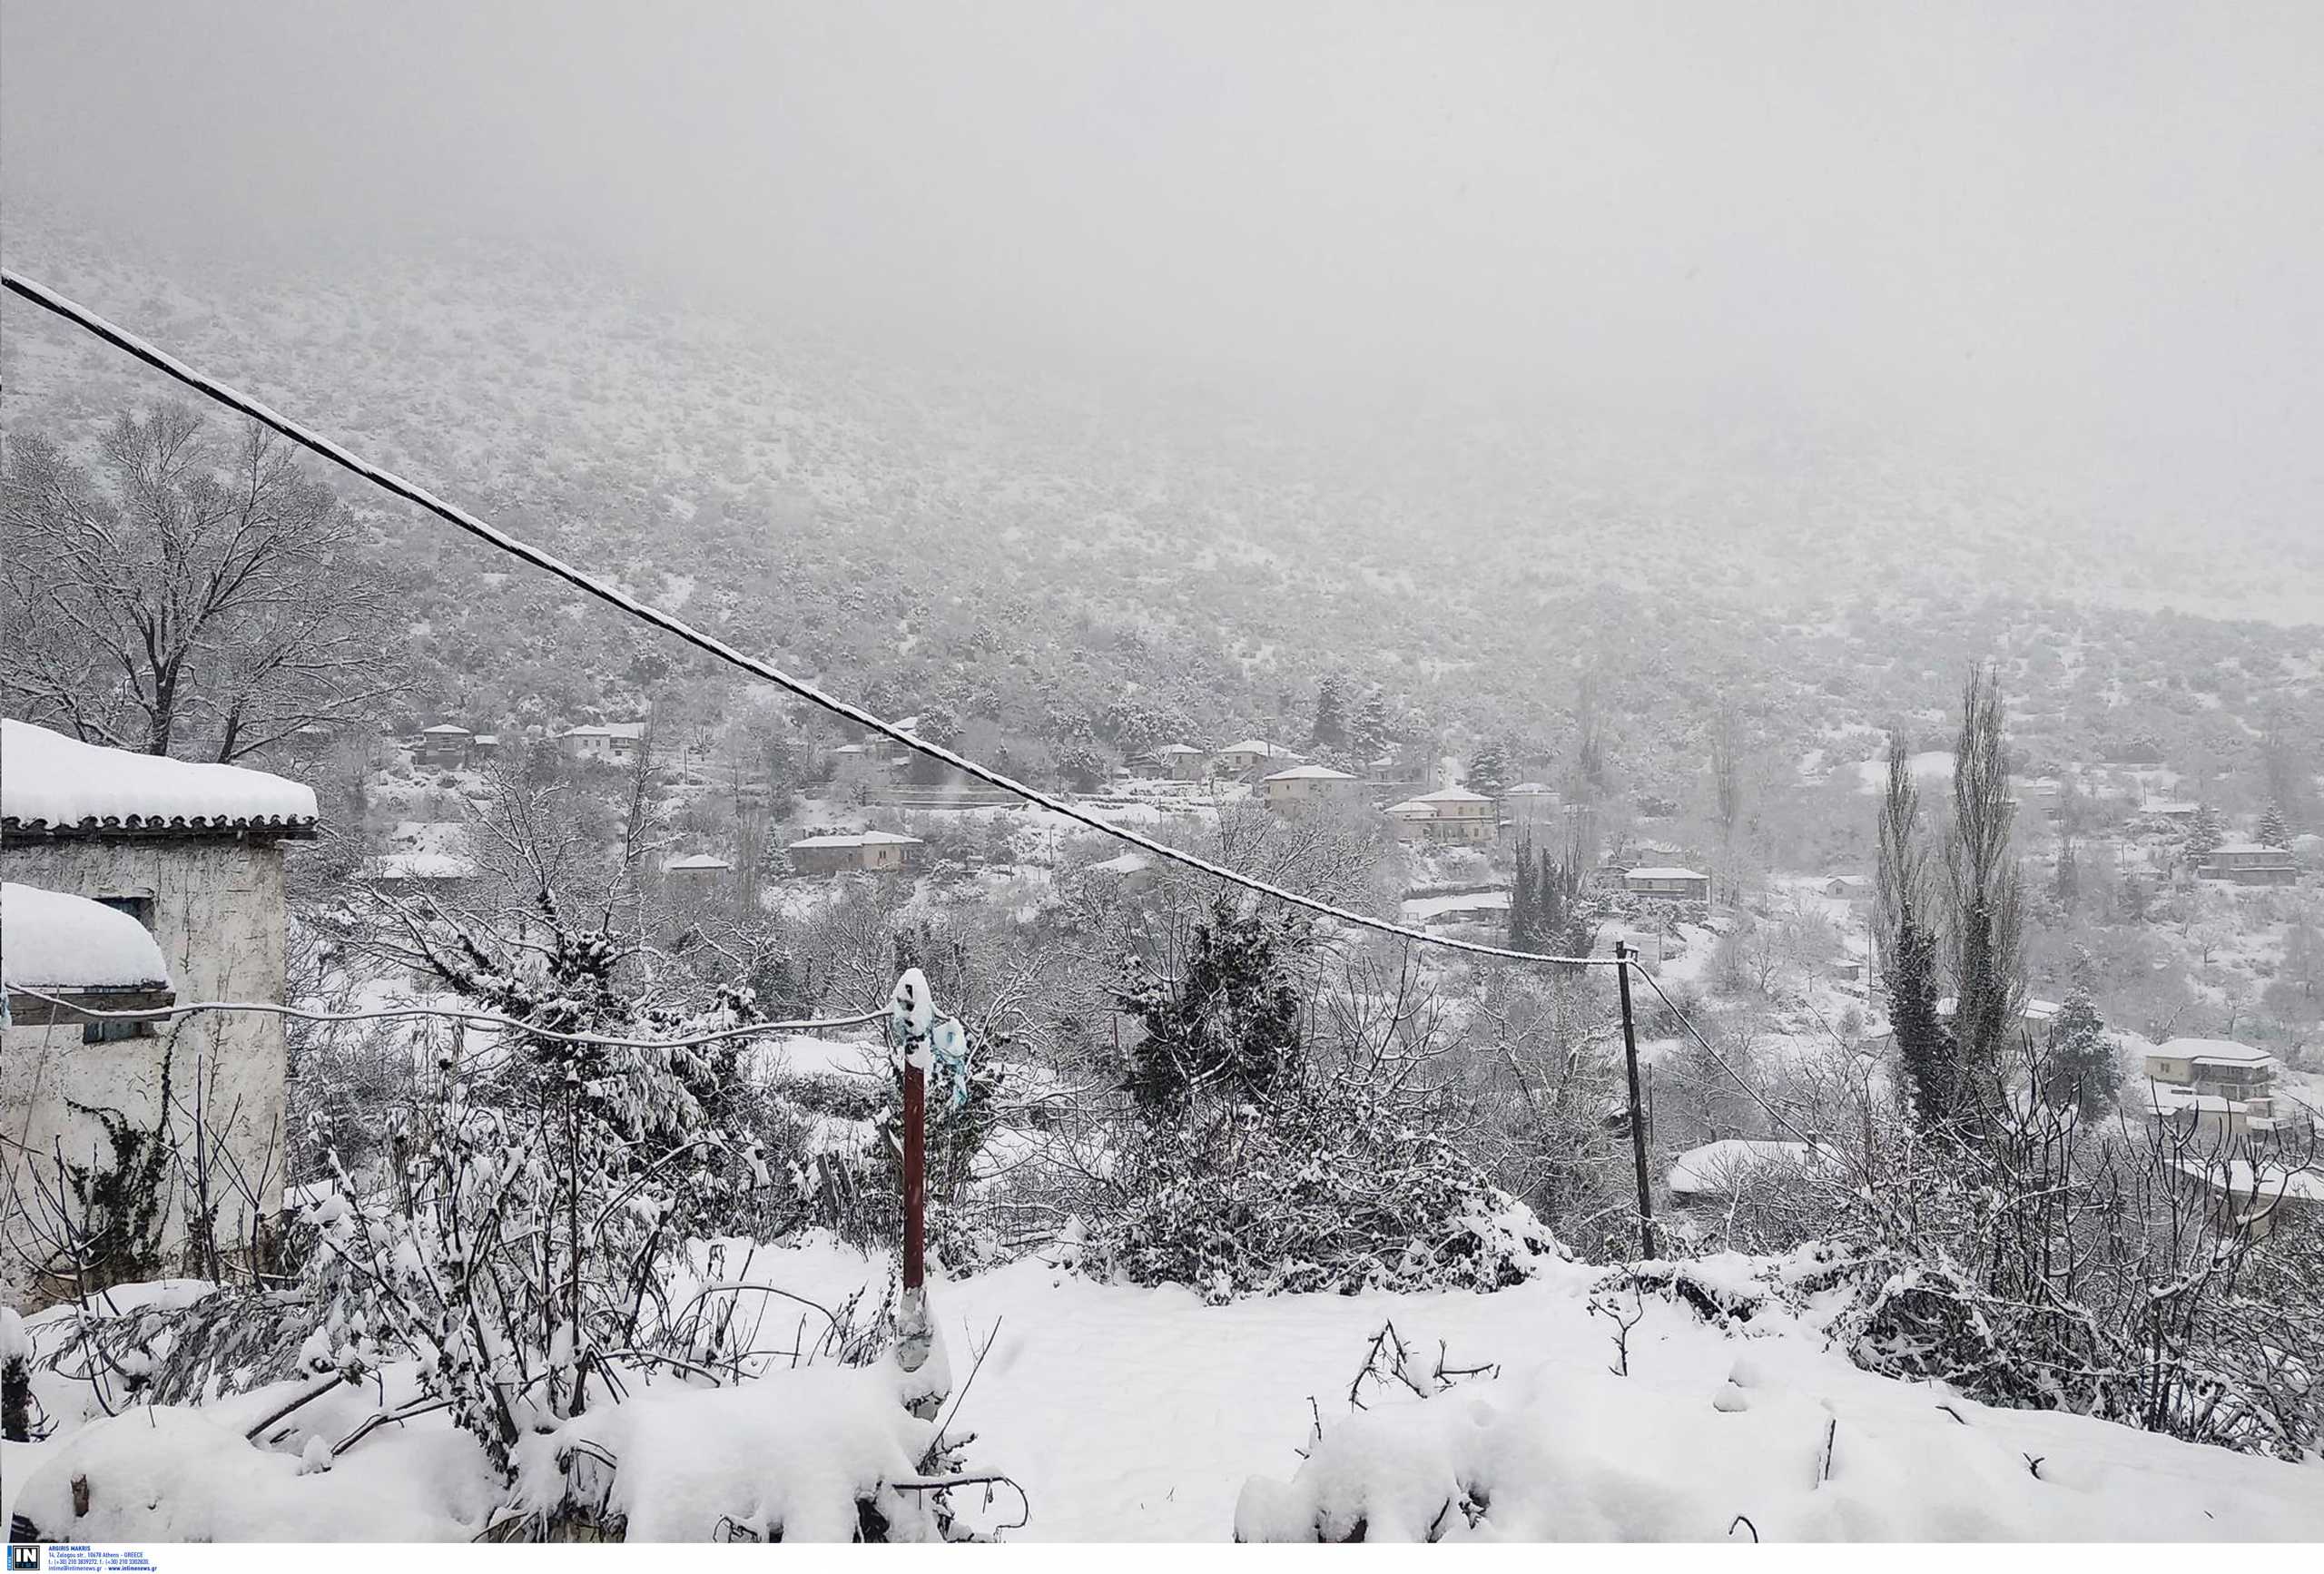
[1141,1414]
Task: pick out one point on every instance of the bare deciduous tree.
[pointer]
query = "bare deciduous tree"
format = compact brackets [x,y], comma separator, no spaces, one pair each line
[183,600]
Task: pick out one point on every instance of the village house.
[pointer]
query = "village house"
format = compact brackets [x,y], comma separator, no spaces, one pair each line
[193,854]
[1712,1175]
[445,745]
[2257,1197]
[1532,811]
[2035,1016]
[1452,816]
[1309,787]
[1242,759]
[413,870]
[1130,871]
[1180,762]
[857,852]
[2250,864]
[2178,812]
[697,873]
[1850,887]
[603,743]
[2219,1067]
[1667,884]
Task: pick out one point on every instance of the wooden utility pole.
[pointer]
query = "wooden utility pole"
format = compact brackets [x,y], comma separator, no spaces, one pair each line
[1622,965]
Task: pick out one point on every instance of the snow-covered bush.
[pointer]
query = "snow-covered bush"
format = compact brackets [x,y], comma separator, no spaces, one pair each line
[1320,1188]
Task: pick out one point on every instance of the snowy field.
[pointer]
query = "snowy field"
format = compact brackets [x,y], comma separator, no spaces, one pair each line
[1134,1414]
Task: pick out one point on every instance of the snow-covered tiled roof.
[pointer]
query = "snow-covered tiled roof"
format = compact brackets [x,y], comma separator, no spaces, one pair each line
[630,729]
[1310,773]
[1452,795]
[858,839]
[1178,748]
[1128,864]
[1670,873]
[418,864]
[1715,1166]
[53,941]
[1258,746]
[701,860]
[445,730]
[1530,790]
[61,786]
[2217,1051]
[2249,847]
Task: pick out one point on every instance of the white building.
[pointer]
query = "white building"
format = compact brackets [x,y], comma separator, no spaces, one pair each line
[1452,816]
[1310,786]
[1240,759]
[193,854]
[611,742]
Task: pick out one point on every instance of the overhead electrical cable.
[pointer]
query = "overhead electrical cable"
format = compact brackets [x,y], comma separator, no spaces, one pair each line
[388,481]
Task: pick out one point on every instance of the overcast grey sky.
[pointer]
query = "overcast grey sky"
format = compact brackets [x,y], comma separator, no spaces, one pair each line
[2110,213]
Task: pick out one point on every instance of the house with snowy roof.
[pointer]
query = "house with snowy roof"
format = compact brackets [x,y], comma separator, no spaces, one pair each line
[1451,816]
[1715,1172]
[2216,1067]
[1532,811]
[1242,758]
[445,743]
[692,874]
[1667,883]
[854,852]
[192,855]
[1180,762]
[606,743]
[2250,864]
[1304,787]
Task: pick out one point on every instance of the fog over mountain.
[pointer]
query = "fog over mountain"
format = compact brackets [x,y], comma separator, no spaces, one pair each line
[2068,243]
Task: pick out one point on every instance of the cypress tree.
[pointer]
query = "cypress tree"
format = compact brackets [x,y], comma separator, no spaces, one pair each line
[1908,947]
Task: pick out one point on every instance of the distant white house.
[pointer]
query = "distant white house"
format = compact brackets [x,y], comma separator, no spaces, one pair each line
[1532,811]
[416,868]
[2251,863]
[1130,871]
[1850,887]
[1181,762]
[1667,883]
[1309,786]
[1454,815]
[611,743]
[1242,759]
[861,851]
[696,871]
[445,745]
[1718,1170]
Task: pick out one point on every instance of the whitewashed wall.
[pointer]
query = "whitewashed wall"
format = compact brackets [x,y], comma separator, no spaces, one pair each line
[218,917]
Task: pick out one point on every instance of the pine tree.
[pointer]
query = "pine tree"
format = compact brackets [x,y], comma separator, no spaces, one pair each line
[2080,1068]
[1368,737]
[1330,714]
[1488,770]
[2205,834]
[2273,832]
[1229,1023]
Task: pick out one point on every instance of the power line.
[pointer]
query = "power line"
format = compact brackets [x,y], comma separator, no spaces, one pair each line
[454,1014]
[387,480]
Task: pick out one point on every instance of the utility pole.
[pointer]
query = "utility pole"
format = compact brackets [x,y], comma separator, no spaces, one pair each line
[1638,1116]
